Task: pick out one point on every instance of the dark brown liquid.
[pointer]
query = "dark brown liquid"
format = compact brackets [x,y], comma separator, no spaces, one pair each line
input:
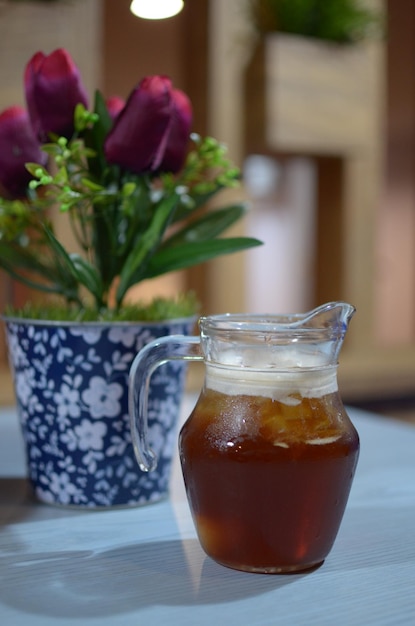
[268,483]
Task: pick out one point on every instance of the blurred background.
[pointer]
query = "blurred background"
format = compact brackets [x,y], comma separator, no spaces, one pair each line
[324,133]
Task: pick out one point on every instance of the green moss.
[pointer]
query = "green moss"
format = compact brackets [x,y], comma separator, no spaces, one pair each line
[158,309]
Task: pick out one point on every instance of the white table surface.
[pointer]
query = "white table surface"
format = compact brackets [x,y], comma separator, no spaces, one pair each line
[144,566]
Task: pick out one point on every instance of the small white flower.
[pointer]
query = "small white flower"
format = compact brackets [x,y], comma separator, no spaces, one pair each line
[90,435]
[103,397]
[69,438]
[67,400]
[61,486]
[16,349]
[91,336]
[124,335]
[25,382]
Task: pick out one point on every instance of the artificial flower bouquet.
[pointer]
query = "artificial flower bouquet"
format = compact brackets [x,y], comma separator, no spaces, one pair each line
[124,172]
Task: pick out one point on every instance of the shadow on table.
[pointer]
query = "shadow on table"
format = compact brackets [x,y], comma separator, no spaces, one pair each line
[86,584]
[173,573]
[17,502]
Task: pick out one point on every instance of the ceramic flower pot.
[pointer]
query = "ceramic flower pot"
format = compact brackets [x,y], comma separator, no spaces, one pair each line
[71,386]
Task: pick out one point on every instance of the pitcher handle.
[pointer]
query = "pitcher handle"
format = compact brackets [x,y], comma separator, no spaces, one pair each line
[154,354]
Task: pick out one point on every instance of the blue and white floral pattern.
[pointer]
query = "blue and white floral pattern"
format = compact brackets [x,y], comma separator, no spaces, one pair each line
[71,384]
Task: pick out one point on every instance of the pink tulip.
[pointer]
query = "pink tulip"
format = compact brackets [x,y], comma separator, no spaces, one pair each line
[53,88]
[18,145]
[151,132]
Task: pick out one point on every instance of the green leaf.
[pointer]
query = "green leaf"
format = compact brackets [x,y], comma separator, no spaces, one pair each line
[95,137]
[17,257]
[79,116]
[36,170]
[199,202]
[82,271]
[90,184]
[51,148]
[207,227]
[101,128]
[137,260]
[22,264]
[128,189]
[34,284]
[100,108]
[193,253]
[87,275]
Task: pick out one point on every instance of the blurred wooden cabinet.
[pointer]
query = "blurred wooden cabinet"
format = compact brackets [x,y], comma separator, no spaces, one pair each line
[332,103]
[305,97]
[311,97]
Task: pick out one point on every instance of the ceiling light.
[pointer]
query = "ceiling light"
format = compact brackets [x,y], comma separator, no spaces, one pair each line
[156,9]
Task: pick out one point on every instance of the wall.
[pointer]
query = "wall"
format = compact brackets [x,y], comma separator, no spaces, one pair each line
[27,27]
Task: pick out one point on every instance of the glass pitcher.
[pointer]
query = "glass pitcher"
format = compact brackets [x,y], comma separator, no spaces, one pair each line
[268,454]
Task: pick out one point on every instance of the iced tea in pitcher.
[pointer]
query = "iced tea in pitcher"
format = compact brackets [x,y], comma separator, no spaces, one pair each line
[267,479]
[268,454]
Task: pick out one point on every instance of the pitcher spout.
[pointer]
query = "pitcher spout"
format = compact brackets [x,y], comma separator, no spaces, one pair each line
[336,315]
[333,318]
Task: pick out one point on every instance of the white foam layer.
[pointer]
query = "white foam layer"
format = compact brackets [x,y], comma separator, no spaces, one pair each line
[284,386]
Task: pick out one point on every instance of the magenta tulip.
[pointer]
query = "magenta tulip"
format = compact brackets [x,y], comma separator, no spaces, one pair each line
[152,131]
[18,145]
[53,88]
[178,139]
[115,105]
